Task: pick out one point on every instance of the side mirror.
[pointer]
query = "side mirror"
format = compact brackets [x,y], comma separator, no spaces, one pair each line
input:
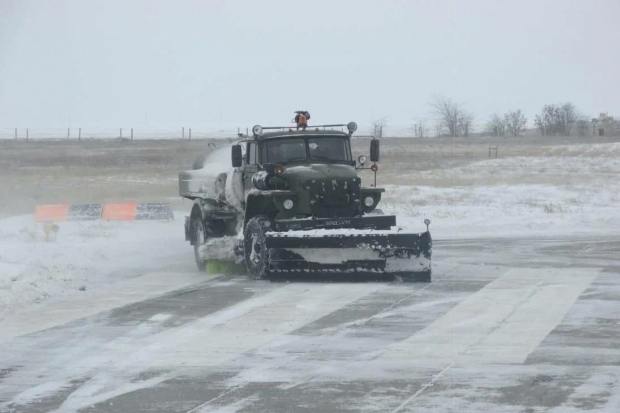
[236,156]
[374,150]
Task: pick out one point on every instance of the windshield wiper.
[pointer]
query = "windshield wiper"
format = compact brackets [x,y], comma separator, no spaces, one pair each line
[327,158]
[300,158]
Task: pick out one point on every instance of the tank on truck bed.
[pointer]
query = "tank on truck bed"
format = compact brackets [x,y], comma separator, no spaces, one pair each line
[292,202]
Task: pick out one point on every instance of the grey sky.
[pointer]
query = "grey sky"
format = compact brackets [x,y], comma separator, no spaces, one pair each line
[109,62]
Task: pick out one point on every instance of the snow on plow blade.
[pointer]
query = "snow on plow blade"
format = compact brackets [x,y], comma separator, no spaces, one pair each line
[351,251]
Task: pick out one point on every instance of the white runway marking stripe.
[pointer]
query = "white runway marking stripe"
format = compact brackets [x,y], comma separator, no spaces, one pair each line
[216,338]
[502,323]
[221,336]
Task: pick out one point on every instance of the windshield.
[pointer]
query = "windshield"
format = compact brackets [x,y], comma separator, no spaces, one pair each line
[329,148]
[324,148]
[285,150]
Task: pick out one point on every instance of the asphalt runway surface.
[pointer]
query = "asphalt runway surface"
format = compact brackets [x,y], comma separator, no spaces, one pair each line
[507,325]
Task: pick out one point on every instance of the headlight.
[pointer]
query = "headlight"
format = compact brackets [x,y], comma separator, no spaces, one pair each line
[257,130]
[362,159]
[352,127]
[369,201]
[288,204]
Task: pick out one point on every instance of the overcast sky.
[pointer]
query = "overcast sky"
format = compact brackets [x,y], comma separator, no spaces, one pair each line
[237,63]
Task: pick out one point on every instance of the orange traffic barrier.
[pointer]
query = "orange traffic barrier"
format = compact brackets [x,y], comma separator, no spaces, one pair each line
[129,211]
[45,213]
[119,212]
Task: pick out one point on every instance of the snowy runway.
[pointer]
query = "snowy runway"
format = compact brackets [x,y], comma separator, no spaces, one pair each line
[488,335]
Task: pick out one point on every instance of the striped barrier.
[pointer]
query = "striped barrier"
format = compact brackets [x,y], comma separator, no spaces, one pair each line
[131,211]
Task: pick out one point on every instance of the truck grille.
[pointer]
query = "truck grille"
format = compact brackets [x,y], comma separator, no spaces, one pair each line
[334,198]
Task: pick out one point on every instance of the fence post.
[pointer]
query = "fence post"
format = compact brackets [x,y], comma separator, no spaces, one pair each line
[190,134]
[121,134]
[131,133]
[183,132]
[79,134]
[68,133]
[15,133]
[26,134]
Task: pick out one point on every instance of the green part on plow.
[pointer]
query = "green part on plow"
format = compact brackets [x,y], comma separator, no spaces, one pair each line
[224,267]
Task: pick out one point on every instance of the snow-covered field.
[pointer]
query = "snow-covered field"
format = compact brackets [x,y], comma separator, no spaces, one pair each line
[573,191]
[570,190]
[85,256]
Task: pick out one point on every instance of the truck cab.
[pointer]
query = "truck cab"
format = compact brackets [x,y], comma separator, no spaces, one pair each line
[304,174]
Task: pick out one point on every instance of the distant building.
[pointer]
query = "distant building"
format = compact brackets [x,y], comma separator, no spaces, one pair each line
[606,125]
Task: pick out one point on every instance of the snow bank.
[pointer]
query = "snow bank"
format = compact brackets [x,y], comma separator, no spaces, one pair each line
[85,256]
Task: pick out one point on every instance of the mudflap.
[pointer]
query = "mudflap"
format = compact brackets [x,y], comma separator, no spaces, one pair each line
[406,256]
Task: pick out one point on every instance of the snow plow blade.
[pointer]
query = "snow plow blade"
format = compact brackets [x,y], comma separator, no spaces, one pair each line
[405,255]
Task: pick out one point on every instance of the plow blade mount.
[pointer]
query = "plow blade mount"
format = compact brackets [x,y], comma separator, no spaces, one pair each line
[407,255]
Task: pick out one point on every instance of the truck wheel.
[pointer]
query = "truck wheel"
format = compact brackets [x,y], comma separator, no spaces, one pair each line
[199,237]
[254,247]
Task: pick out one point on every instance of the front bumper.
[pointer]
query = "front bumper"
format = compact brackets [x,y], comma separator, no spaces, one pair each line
[378,222]
[349,251]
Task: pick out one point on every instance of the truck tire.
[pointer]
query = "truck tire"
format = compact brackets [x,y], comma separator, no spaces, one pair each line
[199,236]
[255,252]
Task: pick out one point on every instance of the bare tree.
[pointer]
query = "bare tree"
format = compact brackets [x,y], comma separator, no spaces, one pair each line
[438,129]
[557,119]
[452,115]
[377,127]
[548,120]
[447,112]
[583,126]
[466,121]
[497,125]
[569,117]
[515,121]
[421,129]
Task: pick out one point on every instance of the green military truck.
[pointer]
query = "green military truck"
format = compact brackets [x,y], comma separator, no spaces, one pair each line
[284,201]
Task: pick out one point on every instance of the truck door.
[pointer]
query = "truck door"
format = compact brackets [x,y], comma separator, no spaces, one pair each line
[251,166]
